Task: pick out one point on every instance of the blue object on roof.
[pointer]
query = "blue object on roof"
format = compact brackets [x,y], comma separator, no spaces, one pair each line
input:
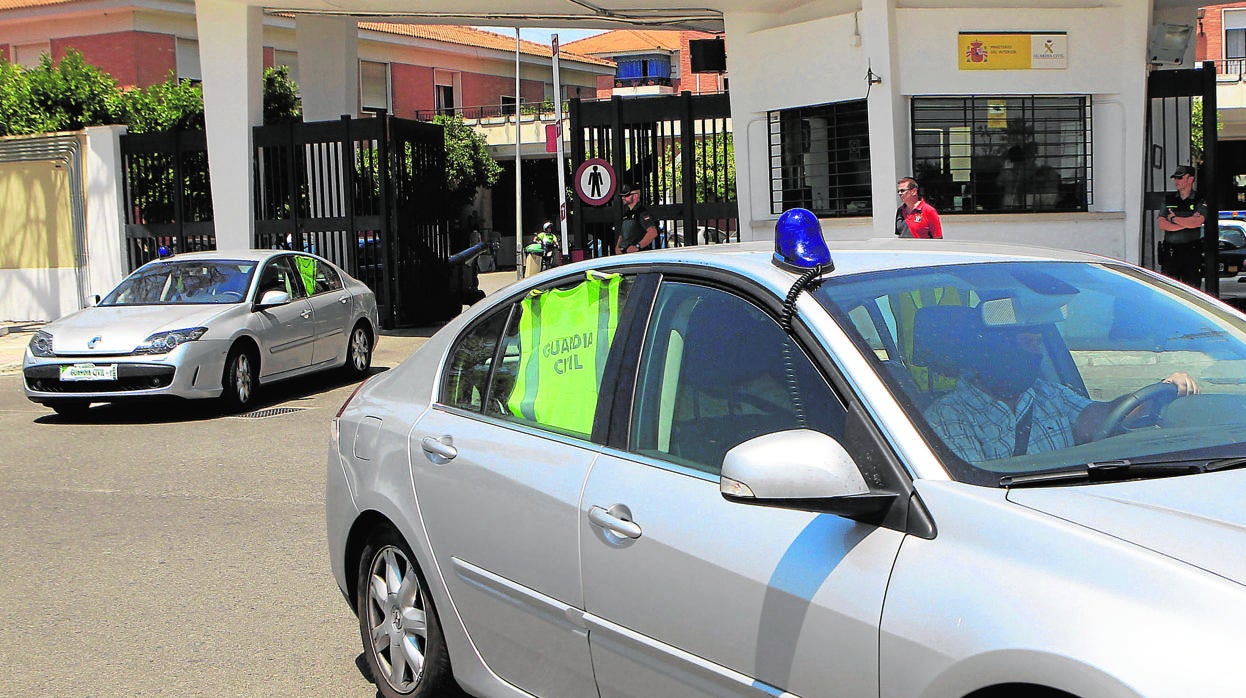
[798,242]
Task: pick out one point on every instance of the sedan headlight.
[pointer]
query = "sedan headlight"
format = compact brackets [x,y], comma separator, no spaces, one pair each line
[165,342]
[41,344]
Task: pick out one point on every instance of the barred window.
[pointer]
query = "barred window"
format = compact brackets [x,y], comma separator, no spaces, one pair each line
[1003,154]
[820,159]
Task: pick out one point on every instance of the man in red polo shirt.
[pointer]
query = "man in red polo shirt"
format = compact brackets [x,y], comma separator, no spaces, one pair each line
[915,218]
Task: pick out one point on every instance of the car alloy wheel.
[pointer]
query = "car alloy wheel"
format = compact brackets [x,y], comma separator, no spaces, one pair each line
[239,381]
[359,352]
[401,634]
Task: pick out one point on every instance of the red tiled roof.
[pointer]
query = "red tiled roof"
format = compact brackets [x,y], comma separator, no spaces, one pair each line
[623,40]
[470,36]
[465,36]
[23,4]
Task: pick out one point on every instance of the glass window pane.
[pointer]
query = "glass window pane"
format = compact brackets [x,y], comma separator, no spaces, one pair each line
[1003,154]
[820,159]
[716,371]
[467,372]
[373,85]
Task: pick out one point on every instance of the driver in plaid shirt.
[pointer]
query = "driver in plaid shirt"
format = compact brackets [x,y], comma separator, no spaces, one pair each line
[1002,408]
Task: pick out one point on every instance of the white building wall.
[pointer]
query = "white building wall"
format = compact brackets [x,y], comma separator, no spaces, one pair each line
[781,62]
[105,225]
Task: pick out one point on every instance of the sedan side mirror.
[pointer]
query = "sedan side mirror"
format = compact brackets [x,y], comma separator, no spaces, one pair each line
[273,297]
[800,469]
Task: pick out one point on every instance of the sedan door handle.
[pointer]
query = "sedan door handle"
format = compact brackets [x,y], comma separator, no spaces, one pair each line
[344,300]
[439,451]
[611,521]
[306,314]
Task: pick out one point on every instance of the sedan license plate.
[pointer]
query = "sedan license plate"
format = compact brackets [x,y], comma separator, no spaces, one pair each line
[89,372]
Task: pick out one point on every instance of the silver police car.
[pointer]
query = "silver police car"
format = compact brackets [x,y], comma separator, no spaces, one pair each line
[204,325]
[912,468]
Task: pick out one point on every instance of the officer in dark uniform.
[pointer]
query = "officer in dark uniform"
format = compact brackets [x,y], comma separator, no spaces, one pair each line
[639,228]
[1181,250]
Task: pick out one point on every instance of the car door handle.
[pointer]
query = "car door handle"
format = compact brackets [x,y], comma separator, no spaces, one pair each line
[613,522]
[306,314]
[344,300]
[439,451]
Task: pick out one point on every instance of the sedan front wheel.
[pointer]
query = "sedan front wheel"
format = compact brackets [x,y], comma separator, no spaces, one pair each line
[401,633]
[240,379]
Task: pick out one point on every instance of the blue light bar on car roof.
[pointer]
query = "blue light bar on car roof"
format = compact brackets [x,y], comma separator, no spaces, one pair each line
[798,243]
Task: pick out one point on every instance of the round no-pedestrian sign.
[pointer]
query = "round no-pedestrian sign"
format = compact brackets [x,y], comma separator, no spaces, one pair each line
[595,182]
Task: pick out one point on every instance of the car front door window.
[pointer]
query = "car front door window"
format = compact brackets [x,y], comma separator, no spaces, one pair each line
[717,371]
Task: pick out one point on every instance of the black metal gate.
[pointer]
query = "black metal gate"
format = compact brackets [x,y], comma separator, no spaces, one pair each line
[1170,143]
[167,195]
[368,195]
[677,148]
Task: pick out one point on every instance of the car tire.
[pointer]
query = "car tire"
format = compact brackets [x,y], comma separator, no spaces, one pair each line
[240,379]
[396,612]
[71,409]
[359,352]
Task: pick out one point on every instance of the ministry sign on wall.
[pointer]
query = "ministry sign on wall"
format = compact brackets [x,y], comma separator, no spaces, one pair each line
[1013,51]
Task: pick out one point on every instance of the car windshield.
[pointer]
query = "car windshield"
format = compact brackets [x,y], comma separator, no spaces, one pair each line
[1234,235]
[1019,368]
[184,282]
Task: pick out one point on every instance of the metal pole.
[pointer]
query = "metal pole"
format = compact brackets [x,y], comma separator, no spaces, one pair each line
[518,168]
[1210,182]
[562,175]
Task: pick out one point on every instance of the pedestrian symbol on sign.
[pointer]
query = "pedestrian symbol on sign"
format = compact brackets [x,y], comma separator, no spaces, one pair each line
[595,182]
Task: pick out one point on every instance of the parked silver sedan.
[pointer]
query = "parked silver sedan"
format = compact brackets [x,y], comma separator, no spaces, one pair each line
[205,325]
[920,468]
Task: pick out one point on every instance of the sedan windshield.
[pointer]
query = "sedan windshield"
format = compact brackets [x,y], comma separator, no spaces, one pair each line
[1012,369]
[187,282]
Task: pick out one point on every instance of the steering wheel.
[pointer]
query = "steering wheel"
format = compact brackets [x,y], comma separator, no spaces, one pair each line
[1159,393]
[233,296]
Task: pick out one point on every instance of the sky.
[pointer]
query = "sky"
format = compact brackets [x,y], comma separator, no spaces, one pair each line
[542,36]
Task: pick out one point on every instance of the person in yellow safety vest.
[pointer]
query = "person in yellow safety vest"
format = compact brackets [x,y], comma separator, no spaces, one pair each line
[542,247]
[564,338]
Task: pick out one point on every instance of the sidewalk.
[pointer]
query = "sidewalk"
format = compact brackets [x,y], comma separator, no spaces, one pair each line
[14,336]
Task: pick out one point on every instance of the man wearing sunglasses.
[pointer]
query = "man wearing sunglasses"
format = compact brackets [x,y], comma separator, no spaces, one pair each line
[1181,250]
[915,218]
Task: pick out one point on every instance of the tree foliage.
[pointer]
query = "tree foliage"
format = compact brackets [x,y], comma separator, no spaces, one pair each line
[62,96]
[713,166]
[172,105]
[70,94]
[468,164]
[1196,129]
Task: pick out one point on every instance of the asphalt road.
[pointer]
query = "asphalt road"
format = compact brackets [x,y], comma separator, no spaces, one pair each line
[168,549]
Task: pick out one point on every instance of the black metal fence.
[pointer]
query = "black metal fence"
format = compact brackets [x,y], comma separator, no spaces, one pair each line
[167,195]
[368,195]
[677,148]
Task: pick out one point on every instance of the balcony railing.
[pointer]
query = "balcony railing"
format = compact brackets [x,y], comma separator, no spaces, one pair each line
[494,111]
[1230,69]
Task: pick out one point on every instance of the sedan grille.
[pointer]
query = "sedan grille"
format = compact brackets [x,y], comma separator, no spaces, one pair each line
[130,378]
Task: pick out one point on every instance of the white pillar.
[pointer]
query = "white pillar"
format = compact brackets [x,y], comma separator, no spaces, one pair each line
[328,49]
[889,138]
[105,224]
[231,56]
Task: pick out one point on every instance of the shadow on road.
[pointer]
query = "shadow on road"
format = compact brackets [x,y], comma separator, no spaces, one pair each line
[168,410]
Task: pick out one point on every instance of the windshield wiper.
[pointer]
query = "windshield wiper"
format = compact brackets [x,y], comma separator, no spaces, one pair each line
[1108,471]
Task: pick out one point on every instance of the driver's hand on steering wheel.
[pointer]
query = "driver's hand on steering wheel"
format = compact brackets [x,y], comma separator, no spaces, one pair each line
[1185,384]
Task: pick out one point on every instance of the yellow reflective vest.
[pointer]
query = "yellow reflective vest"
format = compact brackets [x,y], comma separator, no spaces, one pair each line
[564,338]
[307,271]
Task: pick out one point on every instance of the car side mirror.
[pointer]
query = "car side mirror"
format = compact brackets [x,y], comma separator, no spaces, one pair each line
[800,469]
[273,297]
[93,301]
